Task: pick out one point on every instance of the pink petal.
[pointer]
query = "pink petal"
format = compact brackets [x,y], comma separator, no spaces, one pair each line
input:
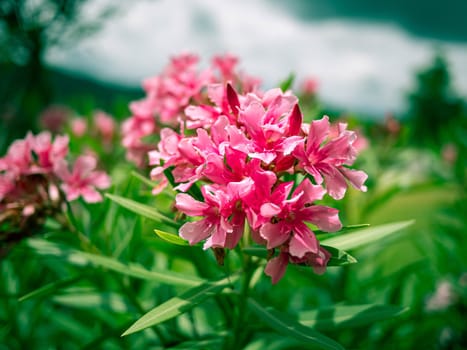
[84,165]
[269,210]
[319,130]
[90,195]
[295,121]
[325,218]
[276,267]
[303,242]
[190,206]
[335,182]
[275,234]
[195,232]
[356,178]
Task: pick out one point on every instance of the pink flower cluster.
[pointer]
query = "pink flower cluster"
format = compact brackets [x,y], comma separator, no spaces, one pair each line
[43,156]
[168,94]
[257,165]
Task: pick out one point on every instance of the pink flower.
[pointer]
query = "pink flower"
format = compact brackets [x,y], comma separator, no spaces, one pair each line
[324,158]
[105,125]
[223,218]
[79,126]
[277,266]
[83,180]
[310,86]
[48,153]
[18,159]
[287,218]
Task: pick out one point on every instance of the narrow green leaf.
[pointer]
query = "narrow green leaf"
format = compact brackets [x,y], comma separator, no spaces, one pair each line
[348,316]
[171,238]
[321,235]
[140,209]
[49,288]
[291,328]
[178,305]
[365,236]
[133,270]
[287,83]
[93,300]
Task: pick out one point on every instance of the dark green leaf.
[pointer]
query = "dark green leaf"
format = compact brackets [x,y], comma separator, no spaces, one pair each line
[348,316]
[291,328]
[339,257]
[49,288]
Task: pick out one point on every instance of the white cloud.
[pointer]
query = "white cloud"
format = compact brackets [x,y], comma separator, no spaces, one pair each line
[360,66]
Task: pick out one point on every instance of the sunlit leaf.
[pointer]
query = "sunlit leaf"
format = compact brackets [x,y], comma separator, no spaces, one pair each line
[178,305]
[365,236]
[171,238]
[348,316]
[291,328]
[140,209]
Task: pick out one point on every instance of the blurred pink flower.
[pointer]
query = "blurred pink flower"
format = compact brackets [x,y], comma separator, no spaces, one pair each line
[48,153]
[82,180]
[309,86]
[105,125]
[79,126]
[54,118]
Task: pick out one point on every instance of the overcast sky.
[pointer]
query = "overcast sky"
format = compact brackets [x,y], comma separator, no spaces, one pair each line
[360,66]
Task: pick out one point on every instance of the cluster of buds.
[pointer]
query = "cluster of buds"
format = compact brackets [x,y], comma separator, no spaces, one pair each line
[247,164]
[168,94]
[35,180]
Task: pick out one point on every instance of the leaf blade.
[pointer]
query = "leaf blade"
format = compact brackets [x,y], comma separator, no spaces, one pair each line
[349,316]
[365,236]
[140,209]
[282,324]
[177,305]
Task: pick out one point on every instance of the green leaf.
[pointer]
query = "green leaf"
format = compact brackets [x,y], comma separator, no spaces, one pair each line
[49,288]
[348,316]
[287,83]
[291,328]
[339,257]
[171,238]
[365,236]
[178,305]
[141,209]
[134,270]
[321,235]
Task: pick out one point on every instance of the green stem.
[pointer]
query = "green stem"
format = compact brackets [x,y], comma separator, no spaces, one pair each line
[241,333]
